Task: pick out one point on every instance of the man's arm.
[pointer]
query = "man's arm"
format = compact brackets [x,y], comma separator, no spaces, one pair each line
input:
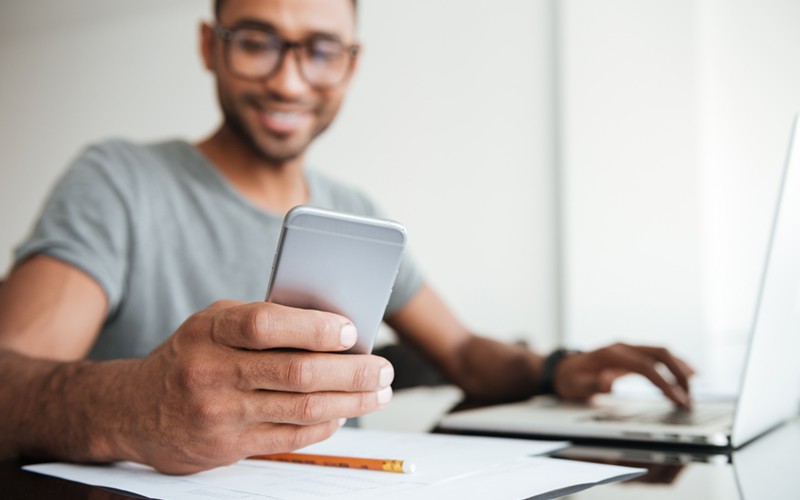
[50,314]
[49,309]
[494,371]
[484,368]
[224,386]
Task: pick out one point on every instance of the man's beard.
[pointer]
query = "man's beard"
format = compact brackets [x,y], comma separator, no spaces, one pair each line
[237,126]
[282,151]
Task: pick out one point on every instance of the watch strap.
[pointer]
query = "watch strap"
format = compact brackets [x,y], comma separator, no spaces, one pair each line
[551,362]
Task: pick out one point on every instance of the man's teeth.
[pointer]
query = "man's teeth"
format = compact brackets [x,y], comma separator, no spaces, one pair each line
[283,115]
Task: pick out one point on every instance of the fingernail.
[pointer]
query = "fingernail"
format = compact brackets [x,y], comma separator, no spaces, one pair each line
[386,376]
[384,395]
[348,335]
[342,421]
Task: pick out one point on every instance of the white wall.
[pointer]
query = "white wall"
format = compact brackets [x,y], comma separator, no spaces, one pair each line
[632,246]
[76,72]
[447,125]
[748,91]
[676,117]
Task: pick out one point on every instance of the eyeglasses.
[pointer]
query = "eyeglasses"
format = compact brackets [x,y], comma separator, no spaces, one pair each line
[257,53]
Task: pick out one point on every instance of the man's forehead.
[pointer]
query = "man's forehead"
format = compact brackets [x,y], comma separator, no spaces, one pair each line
[293,18]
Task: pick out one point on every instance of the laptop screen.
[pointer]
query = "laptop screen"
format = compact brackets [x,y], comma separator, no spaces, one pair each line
[770,390]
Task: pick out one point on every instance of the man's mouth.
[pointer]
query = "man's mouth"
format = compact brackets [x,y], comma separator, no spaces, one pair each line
[284,122]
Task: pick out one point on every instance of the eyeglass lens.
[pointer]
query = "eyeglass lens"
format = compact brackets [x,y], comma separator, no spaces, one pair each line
[256,54]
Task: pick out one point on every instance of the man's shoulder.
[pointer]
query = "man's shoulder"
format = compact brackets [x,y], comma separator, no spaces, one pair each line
[123,171]
[126,163]
[119,152]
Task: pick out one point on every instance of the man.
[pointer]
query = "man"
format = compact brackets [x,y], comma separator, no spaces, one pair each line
[135,239]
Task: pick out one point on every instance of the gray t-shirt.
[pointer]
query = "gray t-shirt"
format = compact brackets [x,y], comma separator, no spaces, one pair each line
[165,235]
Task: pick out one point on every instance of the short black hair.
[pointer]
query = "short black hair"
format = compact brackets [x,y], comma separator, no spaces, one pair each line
[218,6]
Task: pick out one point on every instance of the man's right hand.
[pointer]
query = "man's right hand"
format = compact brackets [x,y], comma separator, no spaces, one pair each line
[242,379]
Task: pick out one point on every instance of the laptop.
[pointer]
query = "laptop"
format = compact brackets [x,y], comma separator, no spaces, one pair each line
[769,392]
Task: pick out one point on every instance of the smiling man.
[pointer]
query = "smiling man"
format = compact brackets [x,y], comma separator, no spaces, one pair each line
[108,348]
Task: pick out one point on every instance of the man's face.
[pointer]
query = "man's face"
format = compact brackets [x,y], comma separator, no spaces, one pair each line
[280,115]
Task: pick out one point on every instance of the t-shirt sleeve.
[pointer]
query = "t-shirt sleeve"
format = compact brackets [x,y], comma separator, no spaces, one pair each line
[85,222]
[407,284]
[409,276]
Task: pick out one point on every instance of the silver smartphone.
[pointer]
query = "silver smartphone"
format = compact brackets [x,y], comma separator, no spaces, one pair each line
[340,263]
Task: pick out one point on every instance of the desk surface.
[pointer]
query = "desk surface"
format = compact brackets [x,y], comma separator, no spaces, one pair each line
[765,468]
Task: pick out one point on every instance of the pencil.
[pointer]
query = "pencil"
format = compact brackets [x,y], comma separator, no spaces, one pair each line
[378,464]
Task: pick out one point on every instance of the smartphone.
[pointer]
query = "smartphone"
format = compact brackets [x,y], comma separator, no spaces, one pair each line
[340,263]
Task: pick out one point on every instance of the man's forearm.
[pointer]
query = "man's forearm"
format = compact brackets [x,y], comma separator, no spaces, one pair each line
[494,371]
[62,410]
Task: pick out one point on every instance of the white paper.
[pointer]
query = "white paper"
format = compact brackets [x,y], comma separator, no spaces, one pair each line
[532,477]
[437,457]
[141,480]
[447,466]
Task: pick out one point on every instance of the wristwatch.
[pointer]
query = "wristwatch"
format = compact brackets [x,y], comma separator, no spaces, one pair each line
[547,385]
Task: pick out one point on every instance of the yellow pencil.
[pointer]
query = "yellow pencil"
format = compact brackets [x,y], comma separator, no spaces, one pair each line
[400,466]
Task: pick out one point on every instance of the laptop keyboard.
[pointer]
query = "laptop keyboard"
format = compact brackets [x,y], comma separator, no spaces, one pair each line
[677,416]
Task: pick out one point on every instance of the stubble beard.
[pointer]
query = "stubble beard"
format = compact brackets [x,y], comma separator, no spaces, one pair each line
[281,150]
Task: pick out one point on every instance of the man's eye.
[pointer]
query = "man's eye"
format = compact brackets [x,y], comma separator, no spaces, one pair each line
[323,56]
[257,44]
[325,51]
[253,46]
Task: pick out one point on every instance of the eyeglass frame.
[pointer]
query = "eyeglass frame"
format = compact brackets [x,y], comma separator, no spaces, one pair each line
[226,35]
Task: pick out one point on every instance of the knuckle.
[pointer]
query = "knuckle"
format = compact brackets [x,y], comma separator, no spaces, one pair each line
[193,377]
[299,373]
[211,414]
[297,438]
[310,408]
[361,378]
[200,373]
[257,321]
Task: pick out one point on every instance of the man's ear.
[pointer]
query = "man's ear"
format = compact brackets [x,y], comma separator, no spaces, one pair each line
[207,40]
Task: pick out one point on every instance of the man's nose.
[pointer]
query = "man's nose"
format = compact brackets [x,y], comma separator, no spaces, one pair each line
[287,79]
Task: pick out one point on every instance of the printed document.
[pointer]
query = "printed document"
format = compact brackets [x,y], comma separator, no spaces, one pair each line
[446,465]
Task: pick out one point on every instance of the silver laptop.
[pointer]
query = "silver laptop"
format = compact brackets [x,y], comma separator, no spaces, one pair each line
[769,392]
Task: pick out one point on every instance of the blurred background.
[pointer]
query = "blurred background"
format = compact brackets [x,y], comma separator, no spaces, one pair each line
[570,171]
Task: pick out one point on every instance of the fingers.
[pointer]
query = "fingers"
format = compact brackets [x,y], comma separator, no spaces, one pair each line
[266,439]
[313,408]
[262,325]
[305,372]
[644,362]
[678,367]
[258,377]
